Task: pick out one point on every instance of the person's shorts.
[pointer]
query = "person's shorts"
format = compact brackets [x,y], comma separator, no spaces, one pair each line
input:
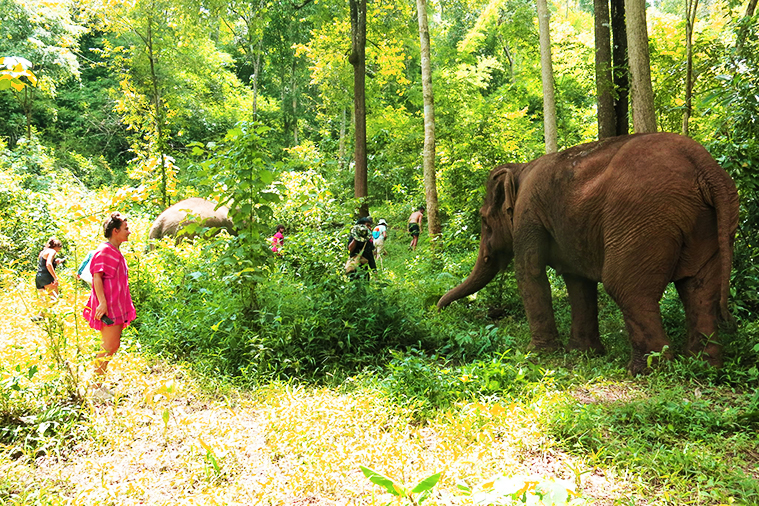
[42,280]
[413,229]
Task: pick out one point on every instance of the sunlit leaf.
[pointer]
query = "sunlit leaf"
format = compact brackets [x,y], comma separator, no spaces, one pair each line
[427,483]
[382,481]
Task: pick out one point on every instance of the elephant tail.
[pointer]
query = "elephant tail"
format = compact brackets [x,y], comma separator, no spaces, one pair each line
[719,191]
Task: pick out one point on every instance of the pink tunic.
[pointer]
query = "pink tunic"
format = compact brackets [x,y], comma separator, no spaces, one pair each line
[112,264]
[276,242]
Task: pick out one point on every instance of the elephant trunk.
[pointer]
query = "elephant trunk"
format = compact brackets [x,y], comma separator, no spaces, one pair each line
[483,273]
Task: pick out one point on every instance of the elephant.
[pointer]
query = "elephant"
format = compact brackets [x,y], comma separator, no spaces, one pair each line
[633,212]
[172,221]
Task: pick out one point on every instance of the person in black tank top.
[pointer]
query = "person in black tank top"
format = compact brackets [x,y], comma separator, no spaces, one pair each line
[46,278]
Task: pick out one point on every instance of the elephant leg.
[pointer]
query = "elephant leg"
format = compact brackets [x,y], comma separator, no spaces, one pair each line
[645,330]
[536,296]
[700,295]
[583,298]
[638,297]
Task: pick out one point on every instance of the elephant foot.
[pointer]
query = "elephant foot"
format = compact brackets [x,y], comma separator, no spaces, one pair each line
[707,348]
[639,363]
[595,348]
[546,346]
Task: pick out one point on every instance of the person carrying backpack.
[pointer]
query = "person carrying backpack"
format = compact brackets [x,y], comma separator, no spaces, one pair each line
[379,234]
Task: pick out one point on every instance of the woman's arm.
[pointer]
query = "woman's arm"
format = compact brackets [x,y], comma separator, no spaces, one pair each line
[97,285]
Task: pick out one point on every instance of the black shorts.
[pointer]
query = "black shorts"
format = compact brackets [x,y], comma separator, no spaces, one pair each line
[413,229]
[42,279]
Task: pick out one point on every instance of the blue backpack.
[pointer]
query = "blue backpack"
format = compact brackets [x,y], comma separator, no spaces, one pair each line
[376,232]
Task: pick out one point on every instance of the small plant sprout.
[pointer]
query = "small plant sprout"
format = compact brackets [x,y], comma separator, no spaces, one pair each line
[413,496]
[211,464]
[655,356]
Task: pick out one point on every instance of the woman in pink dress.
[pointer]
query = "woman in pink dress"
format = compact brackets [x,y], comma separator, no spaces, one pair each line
[278,240]
[110,306]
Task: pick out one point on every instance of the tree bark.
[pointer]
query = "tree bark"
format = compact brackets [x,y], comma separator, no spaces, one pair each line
[620,72]
[430,181]
[357,58]
[607,125]
[750,9]
[644,117]
[546,72]
[341,141]
[158,117]
[294,90]
[255,78]
[690,19]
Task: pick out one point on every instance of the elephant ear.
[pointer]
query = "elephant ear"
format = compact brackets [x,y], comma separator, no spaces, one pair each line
[506,194]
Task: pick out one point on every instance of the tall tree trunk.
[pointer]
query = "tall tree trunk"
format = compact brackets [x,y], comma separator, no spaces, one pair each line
[607,124]
[621,71]
[430,182]
[546,72]
[27,102]
[750,8]
[690,19]
[644,117]
[357,58]
[294,89]
[341,141]
[255,77]
[158,115]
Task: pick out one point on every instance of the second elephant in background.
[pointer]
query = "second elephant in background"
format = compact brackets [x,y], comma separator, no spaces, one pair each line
[174,220]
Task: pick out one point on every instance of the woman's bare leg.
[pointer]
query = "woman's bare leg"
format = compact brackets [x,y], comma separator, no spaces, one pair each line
[111,341]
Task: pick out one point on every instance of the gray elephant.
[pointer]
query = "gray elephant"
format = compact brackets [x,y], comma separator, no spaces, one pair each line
[172,221]
[632,212]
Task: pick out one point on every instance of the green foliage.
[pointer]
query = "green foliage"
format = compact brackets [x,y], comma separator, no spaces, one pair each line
[25,222]
[188,309]
[341,325]
[12,70]
[239,173]
[43,36]
[424,385]
[736,78]
[44,415]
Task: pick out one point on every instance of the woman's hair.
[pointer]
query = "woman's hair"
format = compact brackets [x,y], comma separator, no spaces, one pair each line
[280,227]
[54,243]
[113,222]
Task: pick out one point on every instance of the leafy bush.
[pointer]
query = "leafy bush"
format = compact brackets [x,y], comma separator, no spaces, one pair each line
[186,309]
[25,223]
[424,385]
[331,325]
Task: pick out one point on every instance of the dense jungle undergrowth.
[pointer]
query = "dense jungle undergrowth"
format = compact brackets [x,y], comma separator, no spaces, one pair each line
[282,388]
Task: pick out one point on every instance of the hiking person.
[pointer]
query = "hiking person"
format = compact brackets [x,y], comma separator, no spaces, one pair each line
[110,306]
[360,246]
[278,240]
[379,234]
[46,279]
[415,226]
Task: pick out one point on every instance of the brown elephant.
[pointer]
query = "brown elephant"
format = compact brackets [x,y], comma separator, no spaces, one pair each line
[632,212]
[172,221]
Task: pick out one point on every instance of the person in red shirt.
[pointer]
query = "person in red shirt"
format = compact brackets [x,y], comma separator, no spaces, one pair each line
[278,240]
[110,306]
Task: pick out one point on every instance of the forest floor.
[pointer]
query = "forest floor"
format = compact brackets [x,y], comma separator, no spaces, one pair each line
[170,437]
